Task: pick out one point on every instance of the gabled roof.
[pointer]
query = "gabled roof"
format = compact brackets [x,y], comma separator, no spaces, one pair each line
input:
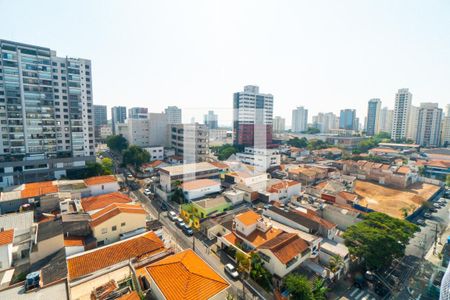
[347,195]
[38,188]
[404,170]
[286,246]
[219,165]
[152,164]
[186,276]
[258,237]
[6,237]
[198,184]
[248,217]
[85,263]
[101,201]
[114,210]
[283,184]
[100,180]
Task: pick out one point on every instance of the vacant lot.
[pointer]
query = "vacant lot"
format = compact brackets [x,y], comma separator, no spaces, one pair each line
[391,201]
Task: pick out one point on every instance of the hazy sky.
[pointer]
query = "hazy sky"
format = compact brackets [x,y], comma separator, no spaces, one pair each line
[324,55]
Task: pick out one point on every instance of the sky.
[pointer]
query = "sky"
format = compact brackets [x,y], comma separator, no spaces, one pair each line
[323,55]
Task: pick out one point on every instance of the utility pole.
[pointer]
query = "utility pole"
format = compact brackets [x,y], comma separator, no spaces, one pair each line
[193,243]
[435,239]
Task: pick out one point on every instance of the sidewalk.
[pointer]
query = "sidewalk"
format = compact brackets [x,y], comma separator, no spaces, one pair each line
[432,256]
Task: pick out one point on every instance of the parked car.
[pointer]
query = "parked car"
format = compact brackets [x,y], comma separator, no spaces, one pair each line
[437,205]
[427,215]
[163,206]
[421,222]
[147,192]
[187,230]
[180,223]
[231,270]
[172,215]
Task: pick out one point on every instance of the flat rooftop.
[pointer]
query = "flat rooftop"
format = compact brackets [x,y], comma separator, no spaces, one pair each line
[188,168]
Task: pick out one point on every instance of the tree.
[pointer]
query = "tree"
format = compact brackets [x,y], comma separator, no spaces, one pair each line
[319,289]
[315,144]
[379,239]
[299,287]
[243,262]
[107,165]
[135,156]
[178,195]
[312,130]
[447,180]
[298,143]
[336,263]
[116,143]
[259,273]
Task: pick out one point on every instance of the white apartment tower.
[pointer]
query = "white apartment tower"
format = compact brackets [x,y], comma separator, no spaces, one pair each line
[413,122]
[385,120]
[325,122]
[429,125]
[148,132]
[279,124]
[445,139]
[174,115]
[401,114]
[299,119]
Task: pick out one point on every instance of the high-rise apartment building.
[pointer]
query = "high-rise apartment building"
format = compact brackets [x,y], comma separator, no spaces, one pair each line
[429,125]
[400,121]
[100,119]
[325,122]
[138,113]
[373,116]
[445,138]
[118,115]
[191,141]
[413,122]
[148,132]
[385,120]
[174,115]
[347,119]
[299,119]
[279,124]
[252,117]
[45,113]
[211,120]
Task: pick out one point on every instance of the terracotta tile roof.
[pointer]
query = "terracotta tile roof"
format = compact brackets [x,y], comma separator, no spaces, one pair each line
[101,201]
[248,218]
[404,170]
[114,210]
[130,296]
[38,188]
[384,150]
[438,163]
[321,185]
[232,238]
[100,180]
[6,237]
[347,196]
[152,164]
[286,246]
[73,241]
[186,276]
[198,184]
[257,237]
[284,184]
[219,165]
[86,263]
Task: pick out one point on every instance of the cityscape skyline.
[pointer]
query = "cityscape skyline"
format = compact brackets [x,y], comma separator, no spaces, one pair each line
[312,77]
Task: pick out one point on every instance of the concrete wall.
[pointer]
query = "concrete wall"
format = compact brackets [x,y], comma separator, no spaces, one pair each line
[106,188]
[5,256]
[201,192]
[132,222]
[47,247]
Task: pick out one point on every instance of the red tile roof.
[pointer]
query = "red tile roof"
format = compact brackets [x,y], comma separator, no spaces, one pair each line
[286,246]
[219,165]
[130,296]
[73,241]
[114,210]
[101,201]
[86,263]
[198,184]
[284,184]
[248,217]
[186,276]
[38,188]
[6,237]
[100,180]
[404,170]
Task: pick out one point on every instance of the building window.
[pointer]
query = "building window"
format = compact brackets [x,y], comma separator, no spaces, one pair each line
[114,228]
[123,224]
[104,230]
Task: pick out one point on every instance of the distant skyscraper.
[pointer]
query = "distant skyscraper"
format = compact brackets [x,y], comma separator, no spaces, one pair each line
[138,113]
[385,120]
[211,120]
[174,115]
[299,119]
[429,125]
[100,119]
[413,122]
[279,124]
[118,115]
[325,121]
[402,107]
[252,117]
[373,115]
[347,119]
[445,138]
[46,103]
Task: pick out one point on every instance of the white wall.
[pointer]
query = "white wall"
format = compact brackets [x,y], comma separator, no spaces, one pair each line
[203,191]
[105,188]
[5,256]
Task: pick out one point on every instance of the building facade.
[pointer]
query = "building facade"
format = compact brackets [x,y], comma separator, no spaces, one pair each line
[279,124]
[118,115]
[325,122]
[138,113]
[174,115]
[252,117]
[211,120]
[373,115]
[385,120]
[413,122]
[190,141]
[299,119]
[100,119]
[429,125]
[46,111]
[400,121]
[347,119]
[148,132]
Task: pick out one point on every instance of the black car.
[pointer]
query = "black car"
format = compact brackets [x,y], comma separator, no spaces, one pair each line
[433,209]
[187,230]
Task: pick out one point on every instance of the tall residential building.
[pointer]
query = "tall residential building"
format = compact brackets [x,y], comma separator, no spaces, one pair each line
[191,141]
[373,115]
[118,115]
[100,119]
[445,138]
[429,125]
[413,122]
[211,120]
[138,113]
[279,124]
[45,112]
[347,119]
[325,122]
[299,119]
[385,120]
[174,115]
[148,132]
[400,121]
[252,117]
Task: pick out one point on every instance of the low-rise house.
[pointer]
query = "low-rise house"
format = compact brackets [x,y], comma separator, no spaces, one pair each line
[200,188]
[344,197]
[184,173]
[109,223]
[436,169]
[182,276]
[307,175]
[193,213]
[328,250]
[283,190]
[94,268]
[93,204]
[234,195]
[302,219]
[102,184]
[48,240]
[328,152]
[385,152]
[6,248]
[76,224]
[153,167]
